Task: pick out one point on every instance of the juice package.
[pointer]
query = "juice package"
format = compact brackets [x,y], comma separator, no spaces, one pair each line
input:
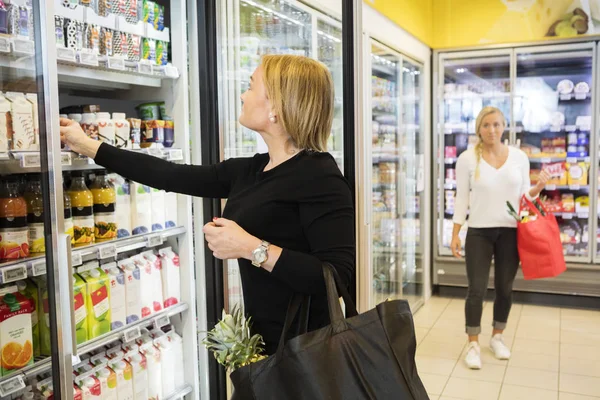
[157,284]
[35,215]
[105,217]
[168,363]
[140,373]
[90,386]
[23,127]
[80,296]
[171,205]
[153,361]
[124,377]
[108,381]
[171,277]
[158,209]
[578,173]
[14,234]
[5,124]
[146,285]
[582,204]
[28,289]
[82,202]
[16,337]
[149,50]
[98,302]
[123,204]
[118,309]
[133,293]
[141,208]
[43,314]
[33,99]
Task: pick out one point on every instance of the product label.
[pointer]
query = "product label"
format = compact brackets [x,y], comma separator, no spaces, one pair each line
[100,302]
[105,221]
[80,311]
[83,227]
[36,238]
[69,229]
[14,242]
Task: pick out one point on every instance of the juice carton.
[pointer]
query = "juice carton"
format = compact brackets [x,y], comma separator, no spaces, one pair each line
[77,394]
[117,295]
[115,352]
[16,341]
[90,386]
[177,343]
[5,124]
[140,373]
[122,188]
[141,208]
[156,262]
[158,209]
[153,361]
[133,306]
[171,277]
[33,99]
[170,210]
[108,381]
[146,284]
[29,290]
[98,302]
[23,128]
[43,314]
[124,378]
[168,364]
[80,300]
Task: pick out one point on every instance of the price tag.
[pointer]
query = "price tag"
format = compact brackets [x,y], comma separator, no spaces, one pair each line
[155,152]
[581,96]
[12,385]
[66,54]
[574,187]
[131,334]
[154,240]
[88,266]
[30,160]
[117,63]
[571,160]
[109,251]
[159,322]
[76,259]
[4,45]
[566,96]
[66,159]
[545,160]
[175,155]
[567,216]
[14,273]
[171,72]
[550,187]
[37,268]
[144,68]
[90,59]
[75,360]
[570,128]
[24,46]
[583,215]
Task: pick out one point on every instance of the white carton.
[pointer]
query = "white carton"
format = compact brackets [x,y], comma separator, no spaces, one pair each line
[157,285]
[133,306]
[177,343]
[108,381]
[171,277]
[124,374]
[158,209]
[118,305]
[5,123]
[123,204]
[153,360]
[33,99]
[90,386]
[23,130]
[168,364]
[171,218]
[146,285]
[140,373]
[141,209]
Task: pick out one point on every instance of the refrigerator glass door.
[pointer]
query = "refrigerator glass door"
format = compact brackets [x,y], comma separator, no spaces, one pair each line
[468,86]
[553,119]
[388,176]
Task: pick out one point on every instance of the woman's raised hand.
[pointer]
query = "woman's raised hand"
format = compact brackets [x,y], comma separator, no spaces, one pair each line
[73,136]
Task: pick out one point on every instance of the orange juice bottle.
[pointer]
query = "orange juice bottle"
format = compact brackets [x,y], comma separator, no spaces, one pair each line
[14,235]
[35,215]
[105,198]
[82,203]
[68,213]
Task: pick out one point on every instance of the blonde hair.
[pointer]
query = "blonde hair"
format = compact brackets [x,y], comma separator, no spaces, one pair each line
[301,92]
[479,146]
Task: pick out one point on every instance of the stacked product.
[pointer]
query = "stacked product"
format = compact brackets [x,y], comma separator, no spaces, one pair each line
[19,129]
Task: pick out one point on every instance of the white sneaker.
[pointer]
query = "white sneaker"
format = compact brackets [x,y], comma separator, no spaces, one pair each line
[473,358]
[499,348]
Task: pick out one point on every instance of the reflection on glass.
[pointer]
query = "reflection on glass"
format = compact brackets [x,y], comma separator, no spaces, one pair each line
[553,108]
[469,85]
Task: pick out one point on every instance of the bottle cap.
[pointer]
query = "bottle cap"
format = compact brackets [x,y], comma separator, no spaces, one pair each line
[119,116]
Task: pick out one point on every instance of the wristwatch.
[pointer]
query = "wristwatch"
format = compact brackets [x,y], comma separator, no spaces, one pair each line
[259,255]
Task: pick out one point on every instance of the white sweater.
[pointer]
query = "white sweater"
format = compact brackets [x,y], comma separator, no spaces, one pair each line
[486,197]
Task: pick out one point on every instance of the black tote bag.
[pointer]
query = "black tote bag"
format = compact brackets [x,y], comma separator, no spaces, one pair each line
[366,356]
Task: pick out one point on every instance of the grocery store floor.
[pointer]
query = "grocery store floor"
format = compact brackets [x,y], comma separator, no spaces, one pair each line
[555,354]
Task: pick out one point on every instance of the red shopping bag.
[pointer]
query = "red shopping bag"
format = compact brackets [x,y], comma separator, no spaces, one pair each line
[538,240]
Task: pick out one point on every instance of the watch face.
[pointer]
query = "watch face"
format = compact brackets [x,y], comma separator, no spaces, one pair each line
[259,255]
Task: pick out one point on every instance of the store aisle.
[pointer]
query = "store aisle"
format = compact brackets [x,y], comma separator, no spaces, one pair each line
[554,354]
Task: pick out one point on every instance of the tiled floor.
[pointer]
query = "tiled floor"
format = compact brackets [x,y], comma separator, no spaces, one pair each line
[555,354]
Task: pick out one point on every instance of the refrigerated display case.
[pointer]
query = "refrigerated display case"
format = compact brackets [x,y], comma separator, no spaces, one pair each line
[80,250]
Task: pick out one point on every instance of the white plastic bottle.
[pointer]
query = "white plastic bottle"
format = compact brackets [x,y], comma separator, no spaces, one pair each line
[122,129]
[106,128]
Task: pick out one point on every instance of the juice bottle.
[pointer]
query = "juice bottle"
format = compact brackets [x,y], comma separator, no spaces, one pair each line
[68,215]
[14,235]
[16,339]
[98,302]
[105,197]
[82,202]
[35,215]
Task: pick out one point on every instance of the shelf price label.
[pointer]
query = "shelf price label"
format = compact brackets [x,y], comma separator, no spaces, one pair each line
[12,385]
[37,268]
[30,160]
[583,215]
[550,187]
[66,54]
[159,322]
[144,68]
[567,216]
[155,152]
[574,187]
[24,46]
[131,334]
[108,251]
[571,160]
[171,72]
[76,259]
[581,96]
[175,155]
[4,45]
[546,160]
[117,63]
[66,159]
[87,58]
[154,240]
[14,273]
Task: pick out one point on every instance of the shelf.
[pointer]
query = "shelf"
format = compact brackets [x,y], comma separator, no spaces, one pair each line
[473,95]
[180,393]
[36,266]
[567,187]
[574,97]
[565,215]
[117,334]
[546,160]
[24,374]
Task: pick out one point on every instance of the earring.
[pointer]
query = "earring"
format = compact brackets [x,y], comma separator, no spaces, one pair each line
[271,117]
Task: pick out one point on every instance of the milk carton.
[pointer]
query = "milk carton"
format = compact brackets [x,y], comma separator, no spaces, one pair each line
[108,380]
[5,124]
[133,294]
[124,378]
[43,315]
[170,210]
[123,204]
[98,302]
[168,363]
[157,285]
[171,277]
[153,362]
[146,284]
[118,308]
[16,339]
[140,373]
[23,129]
[29,290]
[80,295]
[177,344]
[90,386]
[141,209]
[158,209]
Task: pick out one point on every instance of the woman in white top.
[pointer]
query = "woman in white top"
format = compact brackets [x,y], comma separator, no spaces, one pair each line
[488,176]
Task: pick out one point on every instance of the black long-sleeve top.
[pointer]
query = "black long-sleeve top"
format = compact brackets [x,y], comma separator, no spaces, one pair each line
[303,205]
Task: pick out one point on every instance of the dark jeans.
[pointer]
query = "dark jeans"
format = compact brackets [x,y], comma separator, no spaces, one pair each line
[480,246]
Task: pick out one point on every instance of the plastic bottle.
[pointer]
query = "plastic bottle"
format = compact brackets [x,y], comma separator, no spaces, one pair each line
[106,128]
[35,215]
[105,197]
[122,130]
[82,202]
[68,214]
[14,234]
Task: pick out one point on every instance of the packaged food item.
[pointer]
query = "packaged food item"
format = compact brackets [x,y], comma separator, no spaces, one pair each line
[135,134]
[149,50]
[91,108]
[16,334]
[169,133]
[14,233]
[82,202]
[132,290]
[158,209]
[582,204]
[108,381]
[59,31]
[154,367]
[565,86]
[558,173]
[105,7]
[19,21]
[131,11]
[578,173]
[106,42]
[177,344]
[139,368]
[570,232]
[23,127]
[149,111]
[582,88]
[168,364]
[28,289]
[74,32]
[98,302]
[105,199]
[35,215]
[146,284]
[4,18]
[148,11]
[89,125]
[43,314]
[90,386]
[157,284]
[120,43]
[118,306]
[106,128]
[141,208]
[568,202]
[134,47]
[80,295]
[152,132]
[450,152]
[171,276]
[124,377]
[123,205]
[5,124]
[92,38]
[33,99]
[68,214]
[162,52]
[171,210]
[122,130]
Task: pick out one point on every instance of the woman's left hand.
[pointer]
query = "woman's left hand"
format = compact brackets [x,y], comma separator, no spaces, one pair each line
[227,240]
